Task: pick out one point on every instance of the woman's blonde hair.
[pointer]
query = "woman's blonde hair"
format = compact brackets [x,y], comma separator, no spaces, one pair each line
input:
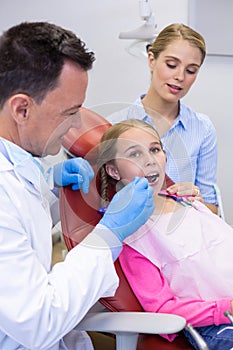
[177,31]
[107,152]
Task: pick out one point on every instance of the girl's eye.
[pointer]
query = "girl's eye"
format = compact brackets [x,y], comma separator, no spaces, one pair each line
[155,149]
[134,154]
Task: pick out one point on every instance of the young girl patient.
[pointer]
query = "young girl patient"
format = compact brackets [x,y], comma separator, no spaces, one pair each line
[180,261]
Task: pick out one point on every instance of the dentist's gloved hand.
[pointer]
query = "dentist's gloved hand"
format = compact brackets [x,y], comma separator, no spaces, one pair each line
[130,208]
[76,172]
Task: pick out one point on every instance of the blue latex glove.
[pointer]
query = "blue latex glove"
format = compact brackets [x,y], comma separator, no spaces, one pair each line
[130,208]
[76,172]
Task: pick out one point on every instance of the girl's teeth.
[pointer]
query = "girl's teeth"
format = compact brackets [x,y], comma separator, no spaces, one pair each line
[152,178]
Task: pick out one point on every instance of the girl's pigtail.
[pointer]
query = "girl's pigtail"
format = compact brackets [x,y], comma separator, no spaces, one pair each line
[104,188]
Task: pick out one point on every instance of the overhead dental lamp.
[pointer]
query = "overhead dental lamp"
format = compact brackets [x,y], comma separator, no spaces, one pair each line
[147,31]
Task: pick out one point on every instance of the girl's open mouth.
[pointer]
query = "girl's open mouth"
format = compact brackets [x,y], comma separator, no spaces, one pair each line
[152,178]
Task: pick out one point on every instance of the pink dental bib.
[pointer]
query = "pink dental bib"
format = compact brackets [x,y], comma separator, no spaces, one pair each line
[193,249]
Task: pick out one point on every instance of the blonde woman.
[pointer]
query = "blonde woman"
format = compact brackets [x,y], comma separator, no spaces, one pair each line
[189,137]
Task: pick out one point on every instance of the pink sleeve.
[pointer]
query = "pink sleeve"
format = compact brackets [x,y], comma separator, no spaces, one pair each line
[154,294]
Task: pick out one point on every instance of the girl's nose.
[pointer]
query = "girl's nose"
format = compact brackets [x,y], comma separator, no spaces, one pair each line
[150,160]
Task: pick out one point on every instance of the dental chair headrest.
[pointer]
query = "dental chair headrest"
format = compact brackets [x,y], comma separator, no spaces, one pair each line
[83,142]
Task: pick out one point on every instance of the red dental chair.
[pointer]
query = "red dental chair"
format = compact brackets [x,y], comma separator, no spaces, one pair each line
[79,215]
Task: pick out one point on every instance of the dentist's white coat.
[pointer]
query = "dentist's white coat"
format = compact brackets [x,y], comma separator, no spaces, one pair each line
[40,305]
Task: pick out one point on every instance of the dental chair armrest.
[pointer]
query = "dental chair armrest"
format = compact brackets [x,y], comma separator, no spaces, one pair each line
[127,325]
[132,322]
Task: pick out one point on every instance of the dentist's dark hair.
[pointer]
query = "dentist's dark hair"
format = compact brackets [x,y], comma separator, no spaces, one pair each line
[32,55]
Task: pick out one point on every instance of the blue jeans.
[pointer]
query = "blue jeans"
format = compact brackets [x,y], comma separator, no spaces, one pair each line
[216,337]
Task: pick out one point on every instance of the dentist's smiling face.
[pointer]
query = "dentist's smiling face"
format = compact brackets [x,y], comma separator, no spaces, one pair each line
[46,123]
[139,153]
[175,70]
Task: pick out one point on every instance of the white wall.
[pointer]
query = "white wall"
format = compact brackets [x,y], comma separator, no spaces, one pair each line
[119,77]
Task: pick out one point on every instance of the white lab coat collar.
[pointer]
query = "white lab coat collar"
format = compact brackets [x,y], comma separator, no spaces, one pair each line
[26,166]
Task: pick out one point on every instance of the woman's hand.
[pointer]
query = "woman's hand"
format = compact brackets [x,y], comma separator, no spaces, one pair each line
[189,189]
[186,189]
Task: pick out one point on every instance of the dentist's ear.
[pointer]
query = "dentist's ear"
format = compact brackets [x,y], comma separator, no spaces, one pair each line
[20,105]
[112,171]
